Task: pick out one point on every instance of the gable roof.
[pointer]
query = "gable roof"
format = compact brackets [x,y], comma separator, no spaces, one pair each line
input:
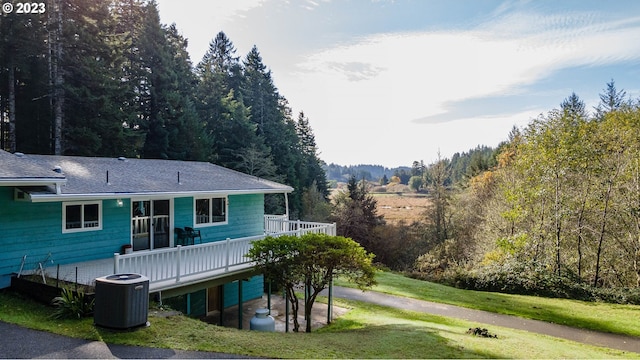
[117,177]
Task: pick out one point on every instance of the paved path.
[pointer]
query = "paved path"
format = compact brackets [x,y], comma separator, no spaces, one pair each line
[17,342]
[620,342]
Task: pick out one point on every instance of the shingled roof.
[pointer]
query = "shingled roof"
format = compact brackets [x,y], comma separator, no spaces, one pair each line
[119,176]
[14,170]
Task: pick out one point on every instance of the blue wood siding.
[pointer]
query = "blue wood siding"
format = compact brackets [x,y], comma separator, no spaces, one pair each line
[183,212]
[245,218]
[252,289]
[34,230]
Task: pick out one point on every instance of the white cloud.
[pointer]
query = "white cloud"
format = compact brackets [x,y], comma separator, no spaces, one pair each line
[375,89]
[205,16]
[396,78]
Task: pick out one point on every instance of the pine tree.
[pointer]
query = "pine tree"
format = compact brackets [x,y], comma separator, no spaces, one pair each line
[188,137]
[25,90]
[355,214]
[94,114]
[272,116]
[610,100]
[311,172]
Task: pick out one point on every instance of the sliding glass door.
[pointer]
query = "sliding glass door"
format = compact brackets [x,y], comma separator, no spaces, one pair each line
[151,224]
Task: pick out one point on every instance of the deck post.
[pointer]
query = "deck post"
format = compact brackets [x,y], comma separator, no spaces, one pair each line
[221,305]
[269,296]
[299,228]
[178,256]
[228,254]
[116,263]
[189,304]
[286,311]
[286,205]
[240,304]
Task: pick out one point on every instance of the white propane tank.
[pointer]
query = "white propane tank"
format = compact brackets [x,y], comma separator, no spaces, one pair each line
[262,321]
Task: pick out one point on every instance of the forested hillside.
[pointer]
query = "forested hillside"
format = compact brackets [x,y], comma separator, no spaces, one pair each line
[106,78]
[560,209]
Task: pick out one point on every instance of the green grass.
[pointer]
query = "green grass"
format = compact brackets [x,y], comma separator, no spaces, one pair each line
[612,318]
[366,331]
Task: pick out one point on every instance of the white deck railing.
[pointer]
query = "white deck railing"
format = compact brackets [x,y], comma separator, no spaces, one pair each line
[279,225]
[173,265]
[180,261]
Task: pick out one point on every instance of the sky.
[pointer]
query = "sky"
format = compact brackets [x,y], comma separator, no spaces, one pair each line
[389,82]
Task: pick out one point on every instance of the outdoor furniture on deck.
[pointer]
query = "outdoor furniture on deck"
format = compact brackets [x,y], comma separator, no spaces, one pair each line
[193,234]
[183,237]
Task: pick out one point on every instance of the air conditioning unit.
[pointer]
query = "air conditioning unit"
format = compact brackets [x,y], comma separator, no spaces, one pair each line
[121,301]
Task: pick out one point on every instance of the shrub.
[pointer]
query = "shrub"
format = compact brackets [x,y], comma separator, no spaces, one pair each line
[72,304]
[528,279]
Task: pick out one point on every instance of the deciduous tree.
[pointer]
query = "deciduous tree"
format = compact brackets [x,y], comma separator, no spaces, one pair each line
[313,260]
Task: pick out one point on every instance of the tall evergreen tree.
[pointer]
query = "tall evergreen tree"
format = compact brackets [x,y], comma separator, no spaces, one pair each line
[188,136]
[272,115]
[156,58]
[610,100]
[356,214]
[220,105]
[93,106]
[24,86]
[311,171]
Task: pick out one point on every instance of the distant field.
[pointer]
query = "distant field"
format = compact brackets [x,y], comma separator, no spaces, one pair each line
[408,207]
[396,203]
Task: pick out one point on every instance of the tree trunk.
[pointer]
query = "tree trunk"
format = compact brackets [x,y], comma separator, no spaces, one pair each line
[11,82]
[583,205]
[58,81]
[293,299]
[558,223]
[12,105]
[603,228]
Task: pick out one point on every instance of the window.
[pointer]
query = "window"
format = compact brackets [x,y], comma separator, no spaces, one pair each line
[81,216]
[211,211]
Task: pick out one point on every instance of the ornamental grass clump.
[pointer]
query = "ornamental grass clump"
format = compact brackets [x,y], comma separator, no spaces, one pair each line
[72,305]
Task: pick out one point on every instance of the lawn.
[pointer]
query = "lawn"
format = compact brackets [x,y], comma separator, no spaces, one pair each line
[612,318]
[366,331]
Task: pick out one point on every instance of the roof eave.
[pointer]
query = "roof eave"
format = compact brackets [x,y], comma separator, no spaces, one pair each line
[171,194]
[32,181]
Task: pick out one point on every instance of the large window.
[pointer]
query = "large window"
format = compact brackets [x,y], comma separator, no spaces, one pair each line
[86,216]
[211,211]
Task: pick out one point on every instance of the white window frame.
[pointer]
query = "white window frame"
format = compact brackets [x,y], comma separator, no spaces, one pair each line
[211,222]
[82,227]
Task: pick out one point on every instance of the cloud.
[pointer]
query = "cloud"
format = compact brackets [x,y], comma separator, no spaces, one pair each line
[356,71]
[389,74]
[216,15]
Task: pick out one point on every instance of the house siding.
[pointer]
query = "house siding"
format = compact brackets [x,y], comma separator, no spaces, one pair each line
[34,230]
[245,218]
[251,289]
[195,303]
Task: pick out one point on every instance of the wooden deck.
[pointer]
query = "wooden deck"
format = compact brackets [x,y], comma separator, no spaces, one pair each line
[171,268]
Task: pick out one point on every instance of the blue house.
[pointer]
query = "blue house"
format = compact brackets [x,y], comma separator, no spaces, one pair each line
[185,225]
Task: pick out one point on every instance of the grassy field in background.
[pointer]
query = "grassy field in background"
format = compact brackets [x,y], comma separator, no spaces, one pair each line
[408,207]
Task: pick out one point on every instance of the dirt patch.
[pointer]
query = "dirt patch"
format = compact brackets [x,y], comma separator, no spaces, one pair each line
[319,316]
